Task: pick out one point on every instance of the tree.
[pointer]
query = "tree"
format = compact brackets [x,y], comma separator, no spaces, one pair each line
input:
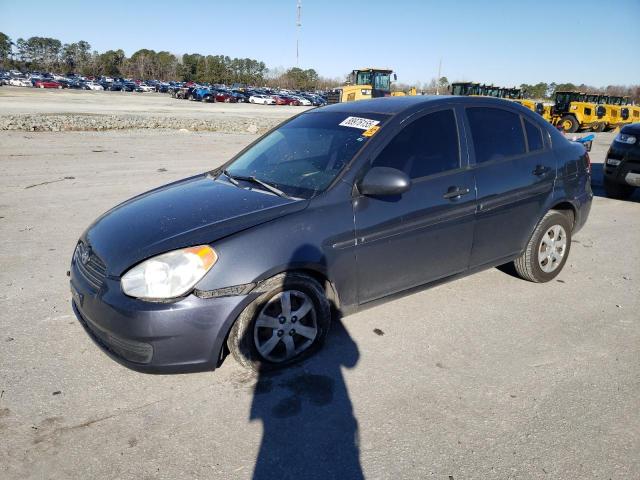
[76,56]
[5,49]
[110,63]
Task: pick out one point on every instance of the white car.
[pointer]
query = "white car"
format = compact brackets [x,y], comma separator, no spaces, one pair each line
[20,82]
[94,86]
[263,99]
[146,88]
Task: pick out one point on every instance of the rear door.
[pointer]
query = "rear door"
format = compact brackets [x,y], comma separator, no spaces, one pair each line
[425,233]
[515,172]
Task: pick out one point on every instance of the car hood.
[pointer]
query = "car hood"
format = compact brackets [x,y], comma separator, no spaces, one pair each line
[631,129]
[194,211]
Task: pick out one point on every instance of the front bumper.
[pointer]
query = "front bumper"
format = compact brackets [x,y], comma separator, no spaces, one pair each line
[187,335]
[629,157]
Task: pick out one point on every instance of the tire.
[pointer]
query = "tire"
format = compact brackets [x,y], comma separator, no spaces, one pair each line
[617,190]
[245,335]
[599,127]
[569,124]
[552,235]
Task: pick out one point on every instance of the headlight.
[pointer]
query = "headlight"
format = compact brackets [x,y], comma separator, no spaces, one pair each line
[624,138]
[365,91]
[169,275]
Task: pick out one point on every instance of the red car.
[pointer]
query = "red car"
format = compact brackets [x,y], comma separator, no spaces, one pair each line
[280,100]
[288,101]
[47,84]
[225,97]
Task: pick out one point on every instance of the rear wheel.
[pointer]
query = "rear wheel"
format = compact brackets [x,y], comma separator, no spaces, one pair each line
[569,123]
[284,325]
[547,249]
[617,190]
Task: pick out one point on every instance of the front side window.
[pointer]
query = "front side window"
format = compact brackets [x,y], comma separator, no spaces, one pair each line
[303,156]
[496,133]
[426,146]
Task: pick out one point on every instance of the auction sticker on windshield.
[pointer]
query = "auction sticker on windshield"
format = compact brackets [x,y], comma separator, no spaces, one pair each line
[358,122]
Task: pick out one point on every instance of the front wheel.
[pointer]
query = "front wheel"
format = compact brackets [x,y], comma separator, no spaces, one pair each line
[284,325]
[569,123]
[547,249]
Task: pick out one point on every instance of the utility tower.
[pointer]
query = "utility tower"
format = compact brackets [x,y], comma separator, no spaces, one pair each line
[298,25]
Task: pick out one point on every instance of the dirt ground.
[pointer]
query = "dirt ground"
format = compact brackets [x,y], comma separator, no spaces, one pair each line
[21,100]
[485,377]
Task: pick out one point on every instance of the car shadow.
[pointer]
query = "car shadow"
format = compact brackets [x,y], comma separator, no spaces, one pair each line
[309,428]
[597,184]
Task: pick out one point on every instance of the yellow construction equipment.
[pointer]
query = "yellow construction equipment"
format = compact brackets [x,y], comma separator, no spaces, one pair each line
[571,112]
[363,84]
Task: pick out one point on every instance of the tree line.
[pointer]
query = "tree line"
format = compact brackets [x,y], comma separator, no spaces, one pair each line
[51,55]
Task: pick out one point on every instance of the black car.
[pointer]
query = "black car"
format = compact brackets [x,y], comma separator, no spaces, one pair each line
[622,165]
[337,209]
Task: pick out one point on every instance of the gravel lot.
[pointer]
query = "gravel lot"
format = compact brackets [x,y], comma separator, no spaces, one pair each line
[63,110]
[484,377]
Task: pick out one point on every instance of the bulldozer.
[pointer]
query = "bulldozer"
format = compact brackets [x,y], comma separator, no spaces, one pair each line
[364,84]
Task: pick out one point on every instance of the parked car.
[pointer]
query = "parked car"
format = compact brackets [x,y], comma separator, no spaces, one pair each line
[288,100]
[224,96]
[263,99]
[382,196]
[301,100]
[113,86]
[128,87]
[279,100]
[43,83]
[20,82]
[622,164]
[143,87]
[94,86]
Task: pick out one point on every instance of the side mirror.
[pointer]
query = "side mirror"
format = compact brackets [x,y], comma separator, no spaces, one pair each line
[384,181]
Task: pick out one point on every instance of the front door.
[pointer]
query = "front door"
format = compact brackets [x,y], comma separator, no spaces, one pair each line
[425,233]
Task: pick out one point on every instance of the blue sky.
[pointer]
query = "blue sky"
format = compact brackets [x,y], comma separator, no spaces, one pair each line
[501,42]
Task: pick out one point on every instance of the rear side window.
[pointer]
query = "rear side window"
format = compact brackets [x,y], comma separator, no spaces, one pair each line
[496,133]
[534,136]
[427,146]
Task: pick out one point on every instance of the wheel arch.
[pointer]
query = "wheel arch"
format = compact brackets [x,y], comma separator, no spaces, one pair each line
[568,209]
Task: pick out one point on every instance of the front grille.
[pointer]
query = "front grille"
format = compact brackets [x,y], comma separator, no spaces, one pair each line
[89,265]
[333,97]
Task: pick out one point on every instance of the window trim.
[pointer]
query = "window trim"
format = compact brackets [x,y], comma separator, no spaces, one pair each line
[410,120]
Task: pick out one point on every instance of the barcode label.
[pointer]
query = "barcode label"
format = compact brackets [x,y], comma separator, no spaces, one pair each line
[358,122]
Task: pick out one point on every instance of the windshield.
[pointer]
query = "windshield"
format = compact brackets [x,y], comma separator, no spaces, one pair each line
[381,81]
[303,156]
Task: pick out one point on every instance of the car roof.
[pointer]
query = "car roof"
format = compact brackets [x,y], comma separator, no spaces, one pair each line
[408,104]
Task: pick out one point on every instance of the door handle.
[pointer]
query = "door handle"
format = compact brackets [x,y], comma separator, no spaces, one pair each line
[540,170]
[455,192]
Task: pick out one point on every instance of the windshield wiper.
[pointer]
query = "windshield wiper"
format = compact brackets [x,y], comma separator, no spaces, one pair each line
[230,177]
[267,186]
